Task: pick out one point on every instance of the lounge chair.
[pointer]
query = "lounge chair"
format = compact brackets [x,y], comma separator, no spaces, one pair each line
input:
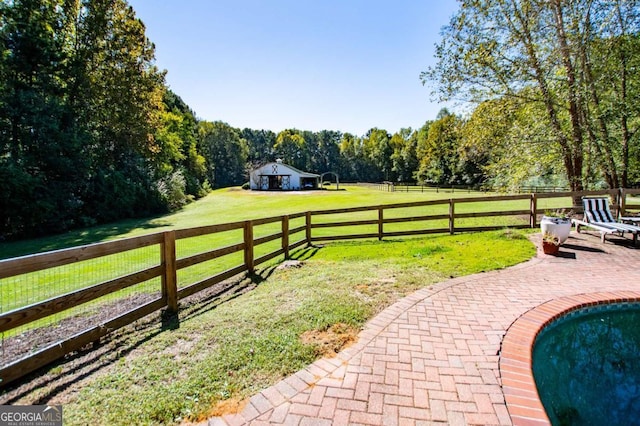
[632,220]
[598,216]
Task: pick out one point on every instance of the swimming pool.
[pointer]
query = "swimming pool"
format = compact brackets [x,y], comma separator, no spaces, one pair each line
[586,366]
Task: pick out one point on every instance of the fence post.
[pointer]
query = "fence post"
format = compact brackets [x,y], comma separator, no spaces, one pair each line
[622,202]
[169,275]
[248,245]
[533,217]
[308,228]
[380,227]
[452,212]
[285,236]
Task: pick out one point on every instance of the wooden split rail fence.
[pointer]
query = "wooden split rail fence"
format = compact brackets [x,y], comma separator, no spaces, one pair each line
[305,228]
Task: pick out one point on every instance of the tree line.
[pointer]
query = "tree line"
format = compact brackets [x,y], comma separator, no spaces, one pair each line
[87,130]
[90,133]
[561,75]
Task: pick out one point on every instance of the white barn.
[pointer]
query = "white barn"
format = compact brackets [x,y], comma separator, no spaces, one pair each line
[282,177]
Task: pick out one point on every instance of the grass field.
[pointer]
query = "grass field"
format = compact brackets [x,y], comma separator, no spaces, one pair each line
[233,204]
[222,351]
[225,348]
[222,206]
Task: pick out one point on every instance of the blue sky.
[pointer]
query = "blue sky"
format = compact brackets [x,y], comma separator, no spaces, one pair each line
[346,65]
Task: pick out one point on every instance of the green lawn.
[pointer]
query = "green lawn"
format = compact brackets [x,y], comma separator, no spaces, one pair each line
[234,204]
[228,348]
[225,352]
[221,206]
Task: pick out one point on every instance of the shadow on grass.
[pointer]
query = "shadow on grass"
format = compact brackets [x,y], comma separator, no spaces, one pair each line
[305,253]
[55,379]
[225,291]
[78,237]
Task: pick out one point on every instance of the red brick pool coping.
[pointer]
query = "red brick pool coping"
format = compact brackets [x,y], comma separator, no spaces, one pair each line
[518,385]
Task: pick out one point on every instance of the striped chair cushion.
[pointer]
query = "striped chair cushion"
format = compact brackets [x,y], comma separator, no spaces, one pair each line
[596,210]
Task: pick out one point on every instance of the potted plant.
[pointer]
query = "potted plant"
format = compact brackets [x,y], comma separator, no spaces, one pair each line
[550,243]
[556,223]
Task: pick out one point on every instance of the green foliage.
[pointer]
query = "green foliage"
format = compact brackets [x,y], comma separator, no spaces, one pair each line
[40,150]
[291,148]
[378,150]
[178,136]
[173,190]
[261,144]
[354,165]
[440,160]
[568,64]
[225,152]
[80,101]
[88,131]
[510,142]
[404,157]
[326,154]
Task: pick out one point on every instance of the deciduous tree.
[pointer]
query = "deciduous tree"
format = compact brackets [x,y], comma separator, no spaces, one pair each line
[404,157]
[557,51]
[226,153]
[440,154]
[291,147]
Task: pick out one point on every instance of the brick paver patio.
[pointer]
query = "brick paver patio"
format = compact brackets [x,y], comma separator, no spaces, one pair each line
[433,357]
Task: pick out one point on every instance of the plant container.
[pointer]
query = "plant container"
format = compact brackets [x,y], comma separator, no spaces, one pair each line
[550,248]
[558,226]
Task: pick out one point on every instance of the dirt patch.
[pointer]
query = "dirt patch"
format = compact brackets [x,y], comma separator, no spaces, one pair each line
[332,340]
[375,287]
[288,264]
[228,406]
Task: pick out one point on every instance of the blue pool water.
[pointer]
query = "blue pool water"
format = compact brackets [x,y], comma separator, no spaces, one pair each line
[587,366]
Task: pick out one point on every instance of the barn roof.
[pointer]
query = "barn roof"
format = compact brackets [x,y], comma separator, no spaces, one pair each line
[300,172]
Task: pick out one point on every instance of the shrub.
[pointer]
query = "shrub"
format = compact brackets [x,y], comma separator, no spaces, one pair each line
[172,188]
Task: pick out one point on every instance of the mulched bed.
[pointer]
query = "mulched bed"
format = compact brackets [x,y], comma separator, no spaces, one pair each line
[18,346]
[57,382]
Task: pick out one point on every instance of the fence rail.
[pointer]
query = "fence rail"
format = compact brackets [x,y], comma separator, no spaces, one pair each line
[422,187]
[418,187]
[169,277]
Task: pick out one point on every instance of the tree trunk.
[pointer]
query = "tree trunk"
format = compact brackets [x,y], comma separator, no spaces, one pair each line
[623,120]
[574,175]
[602,143]
[574,104]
